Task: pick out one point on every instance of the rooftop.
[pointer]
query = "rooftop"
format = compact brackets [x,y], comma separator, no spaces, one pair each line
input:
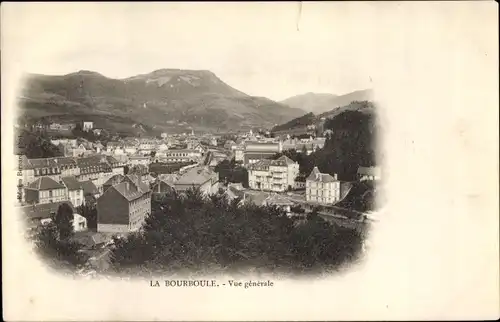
[316,175]
[43,211]
[282,161]
[195,176]
[71,183]
[89,188]
[45,183]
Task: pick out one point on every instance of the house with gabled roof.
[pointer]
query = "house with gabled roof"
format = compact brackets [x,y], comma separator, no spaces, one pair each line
[45,190]
[123,207]
[74,189]
[273,175]
[40,214]
[90,189]
[202,178]
[163,185]
[322,188]
[113,180]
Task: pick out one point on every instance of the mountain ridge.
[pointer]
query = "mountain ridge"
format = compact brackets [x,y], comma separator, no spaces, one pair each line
[161,99]
[322,102]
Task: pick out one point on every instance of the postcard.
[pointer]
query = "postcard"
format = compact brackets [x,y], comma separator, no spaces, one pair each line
[250,161]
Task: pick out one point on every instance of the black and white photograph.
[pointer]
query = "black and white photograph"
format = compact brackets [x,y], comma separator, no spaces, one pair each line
[190,147]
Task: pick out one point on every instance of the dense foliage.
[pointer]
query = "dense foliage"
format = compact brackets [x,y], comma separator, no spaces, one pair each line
[53,243]
[36,145]
[302,121]
[230,171]
[361,197]
[89,211]
[351,144]
[78,132]
[211,234]
[64,221]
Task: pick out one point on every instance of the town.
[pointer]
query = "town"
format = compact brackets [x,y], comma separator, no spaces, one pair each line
[108,185]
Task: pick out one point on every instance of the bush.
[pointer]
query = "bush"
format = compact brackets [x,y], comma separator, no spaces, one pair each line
[197,233]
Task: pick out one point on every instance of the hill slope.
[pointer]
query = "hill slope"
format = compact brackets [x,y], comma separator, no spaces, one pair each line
[319,103]
[300,124]
[164,99]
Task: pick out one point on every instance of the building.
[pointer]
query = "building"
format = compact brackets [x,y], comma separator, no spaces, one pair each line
[184,155]
[273,175]
[138,159]
[45,168]
[163,186]
[124,206]
[129,149]
[369,173]
[322,188]
[239,153]
[90,192]
[99,148]
[28,170]
[87,126]
[114,180]
[117,164]
[81,151]
[45,190]
[162,147]
[98,169]
[202,178]
[71,142]
[111,146]
[257,151]
[40,214]
[141,171]
[75,190]
[55,126]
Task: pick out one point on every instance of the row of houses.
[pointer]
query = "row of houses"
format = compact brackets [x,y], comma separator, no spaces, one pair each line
[96,169]
[198,177]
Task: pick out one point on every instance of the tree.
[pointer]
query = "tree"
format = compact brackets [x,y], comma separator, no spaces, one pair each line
[89,211]
[58,253]
[297,209]
[126,170]
[63,221]
[205,234]
[153,153]
[304,150]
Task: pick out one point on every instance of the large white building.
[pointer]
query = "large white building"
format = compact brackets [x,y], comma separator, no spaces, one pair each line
[322,188]
[257,151]
[273,175]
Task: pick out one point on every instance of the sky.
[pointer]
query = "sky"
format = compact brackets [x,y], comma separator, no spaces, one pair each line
[276,50]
